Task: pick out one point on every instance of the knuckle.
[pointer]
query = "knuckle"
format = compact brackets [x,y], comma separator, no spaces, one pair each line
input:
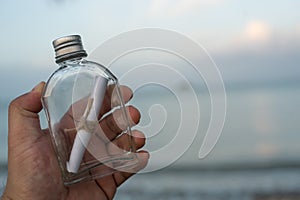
[13,105]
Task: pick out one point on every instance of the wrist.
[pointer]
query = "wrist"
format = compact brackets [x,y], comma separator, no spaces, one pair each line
[4,197]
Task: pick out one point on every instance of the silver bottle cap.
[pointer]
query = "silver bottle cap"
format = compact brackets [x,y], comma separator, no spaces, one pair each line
[68,47]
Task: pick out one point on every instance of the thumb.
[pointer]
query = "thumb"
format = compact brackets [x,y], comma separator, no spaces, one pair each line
[23,118]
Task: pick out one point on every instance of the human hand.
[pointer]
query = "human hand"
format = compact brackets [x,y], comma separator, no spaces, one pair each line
[33,171]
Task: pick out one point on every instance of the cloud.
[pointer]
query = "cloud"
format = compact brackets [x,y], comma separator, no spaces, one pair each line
[259,36]
[257,31]
[174,8]
[260,52]
[255,35]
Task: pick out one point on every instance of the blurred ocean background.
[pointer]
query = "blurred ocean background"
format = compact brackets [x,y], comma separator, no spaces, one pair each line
[257,156]
[255,45]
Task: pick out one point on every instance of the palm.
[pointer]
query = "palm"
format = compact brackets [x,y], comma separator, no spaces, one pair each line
[39,163]
[33,171]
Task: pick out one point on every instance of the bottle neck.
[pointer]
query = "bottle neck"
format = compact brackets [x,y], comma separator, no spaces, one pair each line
[70,62]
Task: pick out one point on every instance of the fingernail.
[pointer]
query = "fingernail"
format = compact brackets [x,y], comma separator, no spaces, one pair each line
[39,87]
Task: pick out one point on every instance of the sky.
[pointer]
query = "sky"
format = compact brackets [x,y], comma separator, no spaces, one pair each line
[250,41]
[253,43]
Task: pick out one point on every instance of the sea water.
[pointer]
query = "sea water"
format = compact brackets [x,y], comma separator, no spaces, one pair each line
[257,154]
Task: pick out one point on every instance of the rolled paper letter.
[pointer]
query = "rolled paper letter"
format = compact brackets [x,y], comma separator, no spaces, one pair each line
[83,136]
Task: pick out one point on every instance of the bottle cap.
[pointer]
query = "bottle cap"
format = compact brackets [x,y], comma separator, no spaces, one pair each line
[68,47]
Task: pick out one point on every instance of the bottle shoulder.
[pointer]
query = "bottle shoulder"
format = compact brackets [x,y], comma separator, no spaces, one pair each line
[83,66]
[98,67]
[73,70]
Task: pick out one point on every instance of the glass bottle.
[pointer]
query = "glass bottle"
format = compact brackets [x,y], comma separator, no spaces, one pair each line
[86,112]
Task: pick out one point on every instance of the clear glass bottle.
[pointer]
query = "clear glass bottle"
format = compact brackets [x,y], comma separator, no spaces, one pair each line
[86,112]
